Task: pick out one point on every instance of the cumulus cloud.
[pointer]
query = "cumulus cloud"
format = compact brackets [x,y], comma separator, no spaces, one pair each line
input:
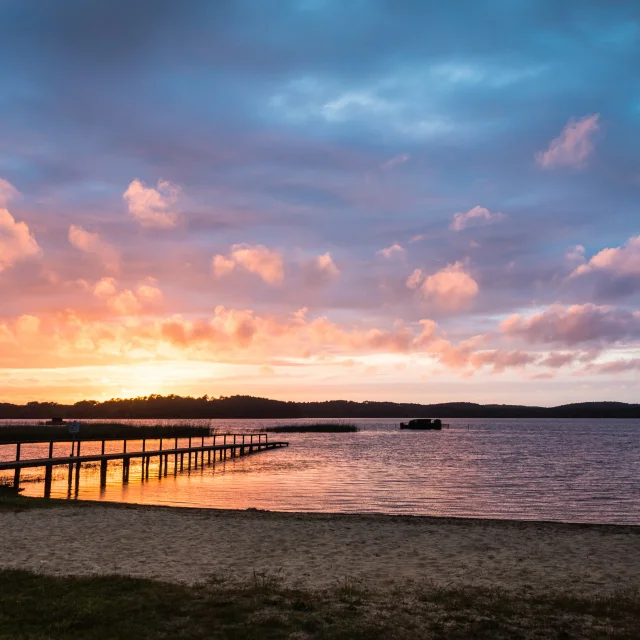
[573,146]
[451,288]
[153,207]
[16,241]
[621,261]
[7,192]
[320,270]
[576,324]
[393,250]
[221,266]
[475,216]
[576,254]
[228,335]
[125,302]
[499,359]
[92,243]
[258,259]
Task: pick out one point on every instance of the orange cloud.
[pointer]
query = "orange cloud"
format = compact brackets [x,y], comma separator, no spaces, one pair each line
[92,243]
[153,207]
[228,335]
[126,302]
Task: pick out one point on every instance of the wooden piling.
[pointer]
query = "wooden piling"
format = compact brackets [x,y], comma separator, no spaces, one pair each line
[47,480]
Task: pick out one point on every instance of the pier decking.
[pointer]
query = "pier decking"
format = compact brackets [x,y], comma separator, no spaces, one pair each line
[220,445]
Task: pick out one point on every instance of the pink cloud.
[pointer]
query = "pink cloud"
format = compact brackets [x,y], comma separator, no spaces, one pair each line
[257,259]
[615,366]
[221,266]
[557,360]
[573,146]
[92,243]
[320,270]
[393,250]
[16,241]
[477,215]
[125,302]
[7,192]
[450,288]
[153,207]
[620,261]
[499,359]
[575,324]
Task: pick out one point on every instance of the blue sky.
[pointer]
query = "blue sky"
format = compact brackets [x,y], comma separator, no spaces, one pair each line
[305,185]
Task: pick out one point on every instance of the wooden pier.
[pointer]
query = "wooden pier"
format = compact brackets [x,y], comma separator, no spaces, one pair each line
[221,446]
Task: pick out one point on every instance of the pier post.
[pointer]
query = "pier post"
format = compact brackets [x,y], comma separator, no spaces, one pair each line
[16,475]
[160,466]
[175,458]
[148,461]
[47,480]
[103,474]
[77,483]
[182,461]
[102,448]
[51,449]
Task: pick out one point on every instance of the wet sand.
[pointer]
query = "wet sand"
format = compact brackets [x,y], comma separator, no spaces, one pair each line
[318,550]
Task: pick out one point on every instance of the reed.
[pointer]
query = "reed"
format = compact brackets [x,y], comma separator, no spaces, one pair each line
[318,427]
[98,431]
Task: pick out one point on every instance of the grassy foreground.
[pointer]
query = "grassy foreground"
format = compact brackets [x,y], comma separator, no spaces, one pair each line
[318,427]
[41,607]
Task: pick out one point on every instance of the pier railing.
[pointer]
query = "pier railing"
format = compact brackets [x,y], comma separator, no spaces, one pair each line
[221,445]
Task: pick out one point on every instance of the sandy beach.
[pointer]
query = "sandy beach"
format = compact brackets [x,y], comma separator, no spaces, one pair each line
[317,550]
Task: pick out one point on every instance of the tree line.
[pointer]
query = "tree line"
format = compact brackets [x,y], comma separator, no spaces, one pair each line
[175,406]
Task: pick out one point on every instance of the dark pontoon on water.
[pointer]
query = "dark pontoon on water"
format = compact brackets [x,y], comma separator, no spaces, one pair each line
[423,423]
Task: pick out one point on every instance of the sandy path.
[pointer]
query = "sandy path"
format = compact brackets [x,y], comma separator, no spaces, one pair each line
[316,550]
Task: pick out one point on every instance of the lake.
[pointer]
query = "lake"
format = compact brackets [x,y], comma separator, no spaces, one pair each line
[562,470]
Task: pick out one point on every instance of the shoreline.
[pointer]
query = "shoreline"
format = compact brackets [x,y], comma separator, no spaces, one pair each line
[315,550]
[462,520]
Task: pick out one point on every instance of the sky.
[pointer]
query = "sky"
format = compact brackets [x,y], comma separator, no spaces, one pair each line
[320,199]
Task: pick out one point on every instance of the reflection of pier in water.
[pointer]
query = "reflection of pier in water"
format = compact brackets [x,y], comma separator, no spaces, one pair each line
[204,451]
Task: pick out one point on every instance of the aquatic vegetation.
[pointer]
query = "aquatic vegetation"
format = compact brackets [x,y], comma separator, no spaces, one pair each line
[318,427]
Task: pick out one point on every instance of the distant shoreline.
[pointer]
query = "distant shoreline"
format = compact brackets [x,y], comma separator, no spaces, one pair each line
[252,408]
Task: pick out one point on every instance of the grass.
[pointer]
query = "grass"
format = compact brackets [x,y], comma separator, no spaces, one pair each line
[318,427]
[113,607]
[12,500]
[97,431]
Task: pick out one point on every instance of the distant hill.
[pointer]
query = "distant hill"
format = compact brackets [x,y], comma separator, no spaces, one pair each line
[173,406]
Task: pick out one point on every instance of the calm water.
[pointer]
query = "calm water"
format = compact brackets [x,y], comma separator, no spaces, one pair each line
[567,470]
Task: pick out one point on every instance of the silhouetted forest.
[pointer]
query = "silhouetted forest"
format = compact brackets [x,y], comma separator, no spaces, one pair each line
[172,406]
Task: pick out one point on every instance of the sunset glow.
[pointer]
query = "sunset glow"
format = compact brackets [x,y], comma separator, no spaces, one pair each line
[215,210]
